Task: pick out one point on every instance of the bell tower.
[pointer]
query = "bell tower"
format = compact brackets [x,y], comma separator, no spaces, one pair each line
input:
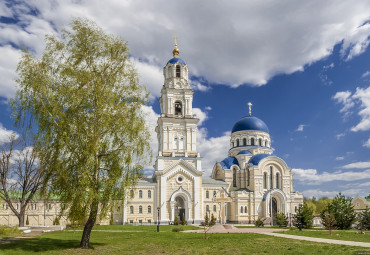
[177,126]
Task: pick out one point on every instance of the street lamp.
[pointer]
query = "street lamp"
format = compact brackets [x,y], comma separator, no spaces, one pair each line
[158,208]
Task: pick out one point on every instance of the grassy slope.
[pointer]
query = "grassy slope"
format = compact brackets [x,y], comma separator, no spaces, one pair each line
[144,240]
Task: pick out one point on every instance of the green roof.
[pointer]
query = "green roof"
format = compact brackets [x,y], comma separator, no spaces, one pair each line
[16,195]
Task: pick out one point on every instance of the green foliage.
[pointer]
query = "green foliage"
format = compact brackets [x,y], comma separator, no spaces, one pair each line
[183,222]
[343,211]
[281,220]
[56,221]
[318,205]
[176,221]
[6,231]
[304,216]
[328,218]
[111,222]
[27,221]
[206,219]
[259,223]
[84,100]
[363,219]
[177,229]
[213,220]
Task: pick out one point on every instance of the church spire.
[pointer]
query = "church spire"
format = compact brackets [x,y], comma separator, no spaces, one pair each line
[175,51]
[250,108]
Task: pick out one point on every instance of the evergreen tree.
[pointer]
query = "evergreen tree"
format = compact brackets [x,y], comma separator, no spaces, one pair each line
[27,221]
[328,220]
[281,220]
[343,211]
[304,216]
[83,101]
[176,221]
[259,223]
[363,219]
[213,220]
[183,222]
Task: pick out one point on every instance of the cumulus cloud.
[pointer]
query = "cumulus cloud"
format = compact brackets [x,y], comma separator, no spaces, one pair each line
[339,158]
[322,193]
[225,43]
[358,165]
[196,85]
[339,136]
[363,95]
[344,97]
[312,177]
[202,116]
[5,134]
[367,143]
[365,74]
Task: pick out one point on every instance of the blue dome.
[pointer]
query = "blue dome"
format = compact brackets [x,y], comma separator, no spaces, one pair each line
[244,152]
[257,158]
[250,123]
[228,162]
[175,60]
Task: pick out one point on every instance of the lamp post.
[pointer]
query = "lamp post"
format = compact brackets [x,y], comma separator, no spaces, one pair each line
[158,208]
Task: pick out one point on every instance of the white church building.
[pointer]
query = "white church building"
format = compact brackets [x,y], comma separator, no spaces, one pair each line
[250,183]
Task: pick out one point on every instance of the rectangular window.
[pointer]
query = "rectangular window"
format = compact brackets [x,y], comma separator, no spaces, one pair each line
[141,221]
[131,221]
[149,221]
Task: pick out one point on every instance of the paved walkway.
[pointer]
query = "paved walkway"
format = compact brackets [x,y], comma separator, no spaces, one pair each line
[226,228]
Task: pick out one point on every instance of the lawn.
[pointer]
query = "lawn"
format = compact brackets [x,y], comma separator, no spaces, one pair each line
[144,240]
[348,235]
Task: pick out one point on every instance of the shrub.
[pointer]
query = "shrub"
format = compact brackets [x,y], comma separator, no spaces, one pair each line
[259,223]
[177,229]
[363,220]
[176,221]
[27,221]
[9,231]
[281,220]
[213,220]
[56,221]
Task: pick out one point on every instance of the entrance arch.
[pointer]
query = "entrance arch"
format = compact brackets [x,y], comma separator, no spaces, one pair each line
[180,204]
[276,202]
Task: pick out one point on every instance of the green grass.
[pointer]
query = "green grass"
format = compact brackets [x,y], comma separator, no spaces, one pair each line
[348,235]
[144,240]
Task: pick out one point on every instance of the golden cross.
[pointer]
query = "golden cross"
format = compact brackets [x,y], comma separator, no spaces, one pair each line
[175,37]
[250,108]
[222,200]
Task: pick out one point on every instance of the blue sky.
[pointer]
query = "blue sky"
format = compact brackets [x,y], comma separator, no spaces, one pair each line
[304,66]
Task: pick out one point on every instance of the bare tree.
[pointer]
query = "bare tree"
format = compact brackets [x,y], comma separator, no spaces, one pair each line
[20,175]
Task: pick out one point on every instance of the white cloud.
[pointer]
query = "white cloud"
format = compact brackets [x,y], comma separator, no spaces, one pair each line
[367,143]
[320,193]
[344,97]
[208,108]
[5,134]
[202,116]
[212,149]
[358,165]
[339,136]
[198,86]
[225,43]
[151,76]
[339,158]
[151,119]
[300,128]
[312,177]
[9,58]
[363,95]
[365,74]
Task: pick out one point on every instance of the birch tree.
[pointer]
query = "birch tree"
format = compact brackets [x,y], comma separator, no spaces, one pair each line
[84,97]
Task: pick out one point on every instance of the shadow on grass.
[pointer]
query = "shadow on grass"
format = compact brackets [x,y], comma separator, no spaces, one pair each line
[42,244]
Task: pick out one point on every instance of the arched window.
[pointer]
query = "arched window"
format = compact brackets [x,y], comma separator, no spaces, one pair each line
[260,140]
[252,141]
[207,208]
[207,194]
[178,71]
[271,180]
[214,193]
[140,194]
[246,209]
[131,209]
[241,209]
[149,194]
[265,180]
[277,181]
[132,193]
[244,141]
[237,142]
[169,72]
[149,209]
[234,177]
[178,108]
[140,209]
[248,177]
[266,143]
[214,208]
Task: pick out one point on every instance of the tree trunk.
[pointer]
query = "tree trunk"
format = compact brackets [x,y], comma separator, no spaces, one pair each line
[85,240]
[21,220]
